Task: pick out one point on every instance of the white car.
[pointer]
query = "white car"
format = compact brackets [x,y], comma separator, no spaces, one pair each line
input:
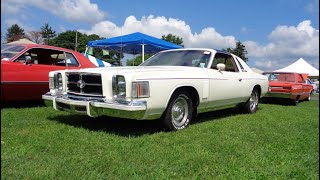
[171,86]
[314,86]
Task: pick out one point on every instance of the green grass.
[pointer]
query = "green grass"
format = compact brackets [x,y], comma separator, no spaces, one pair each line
[278,142]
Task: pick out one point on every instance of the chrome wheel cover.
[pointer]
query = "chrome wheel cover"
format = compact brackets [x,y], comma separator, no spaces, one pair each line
[253,100]
[179,112]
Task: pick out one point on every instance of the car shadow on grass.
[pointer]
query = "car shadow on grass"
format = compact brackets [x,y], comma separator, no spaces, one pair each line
[279,101]
[218,114]
[117,126]
[131,127]
[22,104]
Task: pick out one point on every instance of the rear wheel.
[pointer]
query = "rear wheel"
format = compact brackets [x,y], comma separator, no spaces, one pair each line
[295,101]
[179,111]
[251,105]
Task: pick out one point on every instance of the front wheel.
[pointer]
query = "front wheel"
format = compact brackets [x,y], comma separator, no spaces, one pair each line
[251,105]
[179,112]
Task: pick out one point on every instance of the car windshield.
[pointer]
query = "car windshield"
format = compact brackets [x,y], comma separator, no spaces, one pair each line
[281,77]
[8,51]
[193,58]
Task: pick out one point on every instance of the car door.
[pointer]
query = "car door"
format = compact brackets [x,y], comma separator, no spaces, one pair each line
[225,85]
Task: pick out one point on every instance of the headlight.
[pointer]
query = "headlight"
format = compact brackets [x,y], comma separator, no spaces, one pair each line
[140,89]
[55,82]
[51,82]
[119,86]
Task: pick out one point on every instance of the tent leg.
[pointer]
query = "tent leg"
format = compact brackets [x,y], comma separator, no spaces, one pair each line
[142,52]
[85,52]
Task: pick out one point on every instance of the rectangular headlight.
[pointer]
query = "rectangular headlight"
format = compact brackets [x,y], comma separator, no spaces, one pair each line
[119,86]
[140,89]
[58,81]
[51,83]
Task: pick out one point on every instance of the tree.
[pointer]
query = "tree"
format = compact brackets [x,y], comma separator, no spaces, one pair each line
[35,36]
[47,33]
[138,60]
[15,32]
[174,39]
[239,50]
[65,39]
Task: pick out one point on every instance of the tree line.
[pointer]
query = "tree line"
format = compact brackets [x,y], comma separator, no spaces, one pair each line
[46,35]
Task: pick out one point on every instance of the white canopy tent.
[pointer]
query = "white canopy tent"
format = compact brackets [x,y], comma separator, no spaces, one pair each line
[301,66]
[22,41]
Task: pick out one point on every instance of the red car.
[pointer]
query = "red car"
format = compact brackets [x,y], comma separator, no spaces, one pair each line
[288,85]
[25,68]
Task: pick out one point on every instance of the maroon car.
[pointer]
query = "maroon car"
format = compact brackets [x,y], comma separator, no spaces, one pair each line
[25,69]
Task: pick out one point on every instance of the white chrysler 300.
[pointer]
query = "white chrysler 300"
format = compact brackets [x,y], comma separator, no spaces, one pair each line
[171,86]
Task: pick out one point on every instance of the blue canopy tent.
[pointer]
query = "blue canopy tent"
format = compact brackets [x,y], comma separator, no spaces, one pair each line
[134,43]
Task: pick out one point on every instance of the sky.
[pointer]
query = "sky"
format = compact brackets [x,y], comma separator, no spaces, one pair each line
[276,33]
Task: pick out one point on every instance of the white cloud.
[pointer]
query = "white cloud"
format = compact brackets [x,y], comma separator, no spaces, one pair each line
[72,10]
[26,27]
[287,44]
[160,25]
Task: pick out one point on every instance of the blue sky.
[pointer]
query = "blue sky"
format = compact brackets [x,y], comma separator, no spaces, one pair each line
[276,33]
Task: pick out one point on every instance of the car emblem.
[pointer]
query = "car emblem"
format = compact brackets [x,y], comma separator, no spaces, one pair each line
[81,83]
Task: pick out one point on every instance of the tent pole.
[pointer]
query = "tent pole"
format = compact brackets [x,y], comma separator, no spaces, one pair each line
[142,52]
[85,52]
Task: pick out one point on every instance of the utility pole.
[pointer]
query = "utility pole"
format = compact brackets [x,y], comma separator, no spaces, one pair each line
[76,41]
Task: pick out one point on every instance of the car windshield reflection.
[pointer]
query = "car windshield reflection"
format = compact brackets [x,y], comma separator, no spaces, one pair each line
[192,58]
[9,51]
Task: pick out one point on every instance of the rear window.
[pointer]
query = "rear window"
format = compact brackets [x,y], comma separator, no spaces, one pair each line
[286,77]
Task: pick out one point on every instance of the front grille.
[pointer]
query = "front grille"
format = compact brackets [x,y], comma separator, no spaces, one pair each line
[88,84]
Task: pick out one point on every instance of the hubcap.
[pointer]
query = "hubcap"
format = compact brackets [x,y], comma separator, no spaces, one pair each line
[179,111]
[253,100]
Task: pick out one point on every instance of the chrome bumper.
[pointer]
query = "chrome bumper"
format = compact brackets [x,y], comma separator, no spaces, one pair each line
[135,110]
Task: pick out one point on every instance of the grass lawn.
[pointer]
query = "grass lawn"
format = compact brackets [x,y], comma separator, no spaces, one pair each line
[278,142]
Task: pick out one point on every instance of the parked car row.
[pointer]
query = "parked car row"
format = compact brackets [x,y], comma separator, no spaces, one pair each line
[173,85]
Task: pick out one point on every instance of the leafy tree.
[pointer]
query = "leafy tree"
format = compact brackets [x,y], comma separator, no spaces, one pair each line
[35,36]
[173,38]
[138,60]
[65,39]
[47,32]
[239,50]
[15,32]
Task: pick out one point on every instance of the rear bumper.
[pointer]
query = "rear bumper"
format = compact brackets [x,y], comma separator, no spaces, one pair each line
[131,110]
[280,95]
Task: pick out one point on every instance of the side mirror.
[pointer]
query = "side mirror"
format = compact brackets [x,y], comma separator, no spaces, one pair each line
[28,60]
[221,67]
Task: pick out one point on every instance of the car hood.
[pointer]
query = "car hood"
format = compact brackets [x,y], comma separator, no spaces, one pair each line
[150,72]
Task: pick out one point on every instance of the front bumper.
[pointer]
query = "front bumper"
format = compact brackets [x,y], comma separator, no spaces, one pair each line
[133,110]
